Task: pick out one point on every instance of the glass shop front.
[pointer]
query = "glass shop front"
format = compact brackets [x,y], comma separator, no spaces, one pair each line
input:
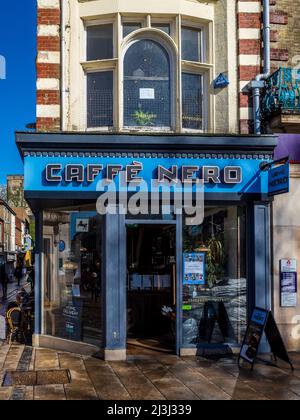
[134,284]
[214,298]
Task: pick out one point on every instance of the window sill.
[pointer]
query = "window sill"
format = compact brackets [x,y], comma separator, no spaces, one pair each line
[155,130]
[99,64]
[137,130]
[100,129]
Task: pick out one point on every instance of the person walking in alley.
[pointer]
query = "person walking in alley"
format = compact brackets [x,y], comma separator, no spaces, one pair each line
[4,281]
[19,274]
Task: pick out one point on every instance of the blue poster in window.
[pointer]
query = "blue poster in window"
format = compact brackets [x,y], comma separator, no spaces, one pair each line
[194,269]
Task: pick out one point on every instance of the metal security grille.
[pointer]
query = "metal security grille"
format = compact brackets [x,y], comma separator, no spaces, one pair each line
[154,111]
[192,109]
[100,108]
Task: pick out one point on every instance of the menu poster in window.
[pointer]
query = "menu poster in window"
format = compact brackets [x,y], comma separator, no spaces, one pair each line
[72,315]
[82,225]
[194,269]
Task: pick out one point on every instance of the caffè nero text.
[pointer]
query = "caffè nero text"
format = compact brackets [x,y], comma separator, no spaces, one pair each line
[57,173]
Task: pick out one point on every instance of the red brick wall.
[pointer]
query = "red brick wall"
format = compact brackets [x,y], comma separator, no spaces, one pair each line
[285,20]
[48,69]
[249,47]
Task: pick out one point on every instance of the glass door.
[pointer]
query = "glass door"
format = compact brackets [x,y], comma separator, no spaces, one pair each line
[151,286]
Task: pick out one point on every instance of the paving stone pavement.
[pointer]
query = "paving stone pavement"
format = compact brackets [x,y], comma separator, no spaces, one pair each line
[148,376]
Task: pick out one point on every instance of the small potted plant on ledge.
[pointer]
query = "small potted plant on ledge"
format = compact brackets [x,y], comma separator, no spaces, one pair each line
[144,119]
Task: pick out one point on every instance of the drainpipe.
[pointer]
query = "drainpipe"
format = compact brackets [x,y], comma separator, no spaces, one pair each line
[259,84]
[62,59]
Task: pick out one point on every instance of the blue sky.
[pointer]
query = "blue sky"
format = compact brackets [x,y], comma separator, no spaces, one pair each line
[17,92]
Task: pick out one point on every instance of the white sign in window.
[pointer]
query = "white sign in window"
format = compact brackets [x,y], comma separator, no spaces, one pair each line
[147,93]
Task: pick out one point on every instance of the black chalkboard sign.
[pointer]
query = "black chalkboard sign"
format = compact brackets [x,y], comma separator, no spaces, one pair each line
[262,321]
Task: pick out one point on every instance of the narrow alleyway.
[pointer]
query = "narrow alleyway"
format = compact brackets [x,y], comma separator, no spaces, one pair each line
[12,291]
[152,376]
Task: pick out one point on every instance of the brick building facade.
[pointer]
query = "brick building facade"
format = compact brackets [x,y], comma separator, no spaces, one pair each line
[129,83]
[249,48]
[285,18]
[48,65]
[285,36]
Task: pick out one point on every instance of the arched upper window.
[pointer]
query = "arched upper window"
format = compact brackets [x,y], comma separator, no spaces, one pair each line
[147,85]
[154,77]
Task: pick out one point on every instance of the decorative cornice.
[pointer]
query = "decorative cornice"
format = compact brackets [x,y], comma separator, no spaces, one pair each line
[148,155]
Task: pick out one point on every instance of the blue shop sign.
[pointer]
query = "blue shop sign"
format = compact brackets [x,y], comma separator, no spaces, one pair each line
[82,174]
[221,81]
[62,246]
[279,180]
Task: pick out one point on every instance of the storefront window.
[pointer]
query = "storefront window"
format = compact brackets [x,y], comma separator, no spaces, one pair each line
[214,281]
[72,266]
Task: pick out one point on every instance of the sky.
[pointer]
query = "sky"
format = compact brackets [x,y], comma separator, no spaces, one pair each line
[17,91]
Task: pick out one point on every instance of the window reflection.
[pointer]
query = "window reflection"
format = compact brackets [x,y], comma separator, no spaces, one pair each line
[100,42]
[215,302]
[72,276]
[191,40]
[165,27]
[128,28]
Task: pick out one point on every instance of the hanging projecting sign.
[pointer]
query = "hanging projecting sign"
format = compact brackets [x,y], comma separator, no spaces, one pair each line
[62,246]
[279,180]
[221,81]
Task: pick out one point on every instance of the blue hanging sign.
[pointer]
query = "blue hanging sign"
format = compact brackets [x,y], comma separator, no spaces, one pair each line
[279,180]
[62,246]
[221,81]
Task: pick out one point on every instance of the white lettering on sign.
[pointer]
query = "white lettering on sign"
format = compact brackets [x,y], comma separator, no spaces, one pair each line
[189,174]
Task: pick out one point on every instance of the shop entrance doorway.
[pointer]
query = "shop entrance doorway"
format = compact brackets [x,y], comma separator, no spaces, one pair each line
[151,287]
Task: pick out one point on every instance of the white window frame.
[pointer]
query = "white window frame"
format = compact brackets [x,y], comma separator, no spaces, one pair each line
[191,24]
[178,66]
[205,104]
[165,41]
[97,66]
[167,21]
[102,70]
